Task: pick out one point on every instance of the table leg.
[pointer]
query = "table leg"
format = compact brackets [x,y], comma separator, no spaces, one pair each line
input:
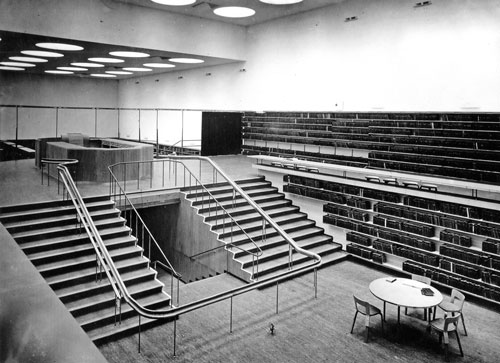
[384,310]
[398,313]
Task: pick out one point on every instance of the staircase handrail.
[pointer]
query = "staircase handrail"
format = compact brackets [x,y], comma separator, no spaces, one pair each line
[87,222]
[175,312]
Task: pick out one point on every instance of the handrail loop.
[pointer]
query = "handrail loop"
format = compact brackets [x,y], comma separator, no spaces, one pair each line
[53,161]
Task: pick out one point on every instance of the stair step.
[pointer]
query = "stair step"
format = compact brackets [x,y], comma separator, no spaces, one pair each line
[50,232]
[33,207]
[71,278]
[281,263]
[72,293]
[106,315]
[58,221]
[69,252]
[94,303]
[227,194]
[251,215]
[76,263]
[277,239]
[283,249]
[55,211]
[238,203]
[72,240]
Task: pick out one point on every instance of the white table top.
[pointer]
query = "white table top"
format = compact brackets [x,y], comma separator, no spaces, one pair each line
[404,292]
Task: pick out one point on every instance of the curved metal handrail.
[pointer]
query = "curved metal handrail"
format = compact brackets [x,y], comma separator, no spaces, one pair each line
[55,161]
[175,312]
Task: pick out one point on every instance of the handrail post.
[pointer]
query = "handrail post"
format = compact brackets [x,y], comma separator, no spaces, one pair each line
[231,316]
[315,283]
[277,284]
[175,334]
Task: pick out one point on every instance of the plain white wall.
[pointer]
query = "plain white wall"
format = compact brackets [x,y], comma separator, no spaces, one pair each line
[444,57]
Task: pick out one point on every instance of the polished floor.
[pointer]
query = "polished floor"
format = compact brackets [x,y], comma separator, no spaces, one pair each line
[306,329]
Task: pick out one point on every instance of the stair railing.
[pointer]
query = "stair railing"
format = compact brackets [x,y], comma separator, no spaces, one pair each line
[118,193]
[175,312]
[84,219]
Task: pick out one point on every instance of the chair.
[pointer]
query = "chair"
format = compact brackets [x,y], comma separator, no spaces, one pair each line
[368,311]
[454,306]
[444,326]
[426,280]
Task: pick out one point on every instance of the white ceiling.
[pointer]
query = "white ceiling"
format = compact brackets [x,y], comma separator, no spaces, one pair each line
[263,12]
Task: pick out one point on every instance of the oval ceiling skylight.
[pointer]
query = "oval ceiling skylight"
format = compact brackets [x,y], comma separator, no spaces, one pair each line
[42,53]
[58,72]
[234,12]
[17,64]
[72,69]
[281,2]
[106,60]
[128,54]
[102,75]
[137,69]
[159,65]
[59,46]
[118,72]
[186,60]
[28,59]
[174,2]
[87,65]
[6,68]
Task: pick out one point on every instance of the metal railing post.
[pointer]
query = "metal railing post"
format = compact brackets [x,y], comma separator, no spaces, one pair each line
[231,316]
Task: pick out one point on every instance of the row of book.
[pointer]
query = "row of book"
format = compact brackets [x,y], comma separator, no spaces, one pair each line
[468,255]
[367,253]
[491,245]
[477,288]
[398,250]
[468,271]
[455,238]
[346,212]
[412,227]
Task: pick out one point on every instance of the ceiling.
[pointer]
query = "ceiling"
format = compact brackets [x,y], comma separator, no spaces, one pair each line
[263,12]
[12,43]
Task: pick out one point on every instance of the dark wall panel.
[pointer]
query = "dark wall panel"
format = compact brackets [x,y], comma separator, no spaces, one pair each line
[220,133]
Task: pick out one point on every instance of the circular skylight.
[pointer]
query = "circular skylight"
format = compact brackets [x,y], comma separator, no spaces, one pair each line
[234,12]
[106,60]
[159,65]
[17,64]
[128,54]
[118,72]
[28,59]
[174,2]
[59,46]
[137,69]
[58,72]
[72,69]
[281,2]
[7,68]
[42,53]
[102,75]
[87,65]
[186,60]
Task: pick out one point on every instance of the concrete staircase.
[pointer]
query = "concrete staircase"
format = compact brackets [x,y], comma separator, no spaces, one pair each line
[275,257]
[61,251]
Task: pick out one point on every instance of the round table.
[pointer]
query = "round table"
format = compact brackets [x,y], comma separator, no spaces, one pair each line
[404,292]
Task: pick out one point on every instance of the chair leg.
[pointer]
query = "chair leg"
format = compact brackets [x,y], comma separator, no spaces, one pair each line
[463,323]
[459,344]
[354,321]
[367,332]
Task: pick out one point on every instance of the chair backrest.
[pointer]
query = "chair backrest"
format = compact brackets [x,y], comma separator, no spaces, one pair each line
[457,298]
[452,320]
[426,280]
[361,306]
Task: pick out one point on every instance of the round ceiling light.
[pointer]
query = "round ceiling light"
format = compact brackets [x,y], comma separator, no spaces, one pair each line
[106,60]
[281,2]
[128,54]
[234,12]
[174,2]
[118,72]
[87,65]
[7,68]
[102,75]
[58,72]
[59,46]
[137,69]
[42,53]
[17,64]
[72,69]
[186,60]
[159,65]
[28,59]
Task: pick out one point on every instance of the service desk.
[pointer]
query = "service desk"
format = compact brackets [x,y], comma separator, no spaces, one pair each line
[93,162]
